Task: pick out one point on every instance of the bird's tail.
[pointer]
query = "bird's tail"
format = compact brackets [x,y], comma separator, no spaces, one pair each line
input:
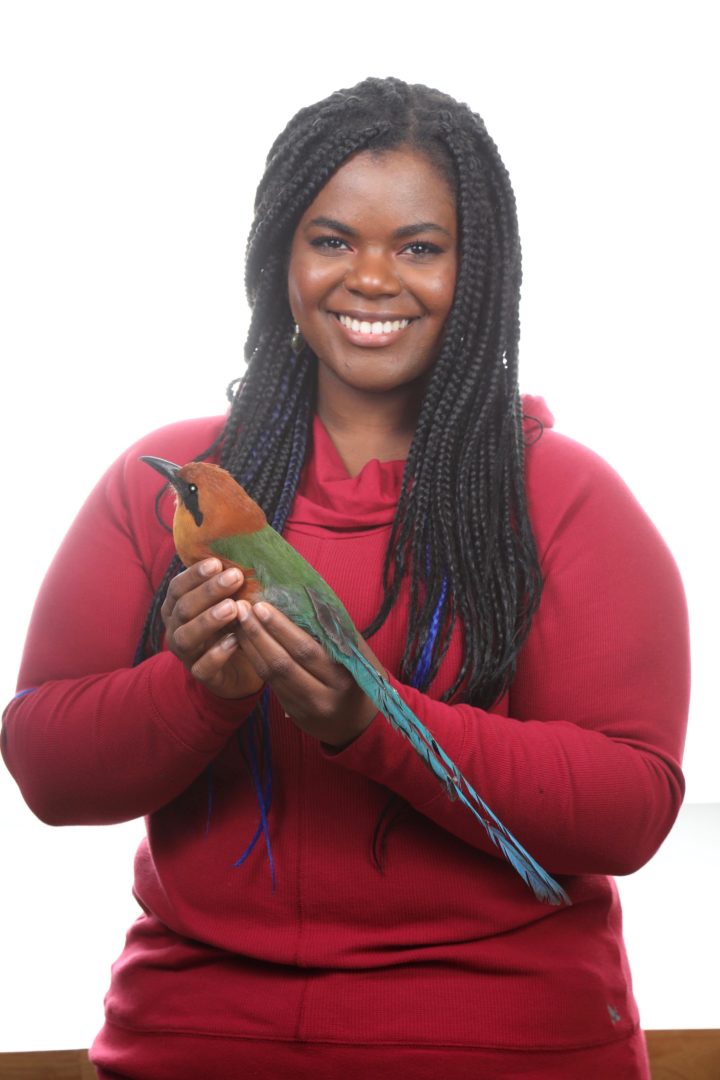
[404,720]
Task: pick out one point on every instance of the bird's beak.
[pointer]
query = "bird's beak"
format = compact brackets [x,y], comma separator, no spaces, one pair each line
[165,468]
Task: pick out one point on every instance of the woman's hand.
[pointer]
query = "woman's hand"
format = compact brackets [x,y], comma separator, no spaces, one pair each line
[320,696]
[200,617]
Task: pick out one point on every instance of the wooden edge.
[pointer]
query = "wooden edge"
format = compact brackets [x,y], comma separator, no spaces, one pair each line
[47,1065]
[692,1054]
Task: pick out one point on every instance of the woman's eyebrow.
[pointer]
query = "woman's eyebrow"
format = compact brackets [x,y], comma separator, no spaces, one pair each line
[420,227]
[398,234]
[331,223]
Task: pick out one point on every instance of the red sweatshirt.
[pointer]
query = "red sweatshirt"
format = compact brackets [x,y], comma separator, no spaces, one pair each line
[442,963]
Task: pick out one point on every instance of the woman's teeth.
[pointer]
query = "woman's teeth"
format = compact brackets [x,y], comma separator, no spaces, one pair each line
[363,327]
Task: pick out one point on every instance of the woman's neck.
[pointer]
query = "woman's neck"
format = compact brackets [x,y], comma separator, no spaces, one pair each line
[364,427]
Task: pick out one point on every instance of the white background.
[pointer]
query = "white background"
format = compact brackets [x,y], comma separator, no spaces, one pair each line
[132,137]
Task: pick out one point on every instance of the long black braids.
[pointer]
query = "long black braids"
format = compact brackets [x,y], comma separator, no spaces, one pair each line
[461,533]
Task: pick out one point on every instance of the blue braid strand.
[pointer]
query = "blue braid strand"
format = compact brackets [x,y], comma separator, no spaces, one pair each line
[422,670]
[264,795]
[264,808]
[22,693]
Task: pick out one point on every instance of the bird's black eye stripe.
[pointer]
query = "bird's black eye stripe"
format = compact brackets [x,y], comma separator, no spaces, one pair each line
[189,495]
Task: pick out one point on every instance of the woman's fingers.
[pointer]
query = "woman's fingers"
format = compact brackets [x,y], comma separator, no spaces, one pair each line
[196,589]
[224,669]
[215,658]
[192,638]
[198,607]
[186,581]
[200,616]
[318,694]
[282,649]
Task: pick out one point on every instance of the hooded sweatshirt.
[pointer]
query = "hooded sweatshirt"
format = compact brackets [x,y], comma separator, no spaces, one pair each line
[429,955]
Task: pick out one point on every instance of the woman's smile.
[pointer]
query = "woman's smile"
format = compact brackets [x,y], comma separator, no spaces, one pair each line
[372,329]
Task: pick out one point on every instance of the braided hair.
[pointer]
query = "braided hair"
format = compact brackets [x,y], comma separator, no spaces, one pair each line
[461,533]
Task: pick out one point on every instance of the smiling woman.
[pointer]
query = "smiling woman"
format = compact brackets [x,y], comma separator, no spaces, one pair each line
[311,905]
[373,265]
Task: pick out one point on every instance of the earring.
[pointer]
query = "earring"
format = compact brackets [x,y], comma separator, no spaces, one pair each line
[297,341]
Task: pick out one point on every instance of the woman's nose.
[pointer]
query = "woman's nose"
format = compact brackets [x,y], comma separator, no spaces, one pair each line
[373,274]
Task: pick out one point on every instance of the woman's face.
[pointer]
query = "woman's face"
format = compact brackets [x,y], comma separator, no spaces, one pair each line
[372,270]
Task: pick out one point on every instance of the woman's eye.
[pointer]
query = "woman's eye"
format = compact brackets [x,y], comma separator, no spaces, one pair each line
[423,247]
[329,243]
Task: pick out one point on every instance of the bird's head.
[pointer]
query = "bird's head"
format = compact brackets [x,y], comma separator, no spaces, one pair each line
[210,504]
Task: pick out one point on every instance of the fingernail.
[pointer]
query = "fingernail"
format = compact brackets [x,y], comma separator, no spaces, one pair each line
[230,577]
[222,609]
[243,610]
[229,642]
[262,612]
[209,567]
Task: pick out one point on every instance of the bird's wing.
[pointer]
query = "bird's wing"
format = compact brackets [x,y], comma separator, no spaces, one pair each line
[284,577]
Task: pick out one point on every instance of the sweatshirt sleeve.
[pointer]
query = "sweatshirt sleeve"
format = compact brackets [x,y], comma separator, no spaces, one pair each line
[89,738]
[585,769]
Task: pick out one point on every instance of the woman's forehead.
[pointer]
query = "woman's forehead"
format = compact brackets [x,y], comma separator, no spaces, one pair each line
[403,182]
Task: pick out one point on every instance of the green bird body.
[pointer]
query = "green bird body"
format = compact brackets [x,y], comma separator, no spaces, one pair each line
[216,517]
[285,578]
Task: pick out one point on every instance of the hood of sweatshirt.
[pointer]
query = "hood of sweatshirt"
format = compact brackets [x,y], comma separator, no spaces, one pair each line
[329,497]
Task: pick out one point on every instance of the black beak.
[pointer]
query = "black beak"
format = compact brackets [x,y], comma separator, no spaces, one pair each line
[165,468]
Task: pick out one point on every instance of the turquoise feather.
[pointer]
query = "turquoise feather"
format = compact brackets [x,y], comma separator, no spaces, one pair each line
[290,584]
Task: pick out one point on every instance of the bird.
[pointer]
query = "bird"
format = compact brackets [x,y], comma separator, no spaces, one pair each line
[216,517]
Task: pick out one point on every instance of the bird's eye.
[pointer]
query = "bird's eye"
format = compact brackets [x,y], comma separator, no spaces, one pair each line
[192,488]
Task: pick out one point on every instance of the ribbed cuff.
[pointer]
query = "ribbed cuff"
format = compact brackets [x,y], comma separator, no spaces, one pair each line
[382,754]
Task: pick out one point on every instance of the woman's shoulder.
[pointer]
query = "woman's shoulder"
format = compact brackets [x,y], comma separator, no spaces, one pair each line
[571,489]
[179,442]
[557,465]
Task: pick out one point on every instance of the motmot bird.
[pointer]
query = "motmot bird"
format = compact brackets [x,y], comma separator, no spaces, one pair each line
[215,517]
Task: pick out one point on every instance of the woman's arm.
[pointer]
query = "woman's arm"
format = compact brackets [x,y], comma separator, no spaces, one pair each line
[586,771]
[94,739]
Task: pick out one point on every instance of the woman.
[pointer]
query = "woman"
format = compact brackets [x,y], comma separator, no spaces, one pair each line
[313,905]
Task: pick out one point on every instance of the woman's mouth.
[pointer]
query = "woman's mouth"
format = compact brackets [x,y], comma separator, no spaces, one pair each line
[372,332]
[362,326]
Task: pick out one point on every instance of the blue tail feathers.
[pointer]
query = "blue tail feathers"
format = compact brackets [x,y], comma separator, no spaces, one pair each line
[391,705]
